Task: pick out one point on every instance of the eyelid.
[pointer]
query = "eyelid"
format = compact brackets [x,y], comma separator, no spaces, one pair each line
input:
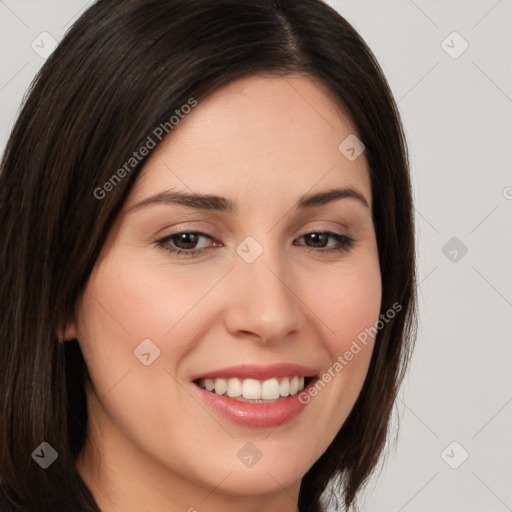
[201,232]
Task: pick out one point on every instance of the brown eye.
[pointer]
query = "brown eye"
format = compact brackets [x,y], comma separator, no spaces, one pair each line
[316,239]
[185,240]
[325,241]
[187,243]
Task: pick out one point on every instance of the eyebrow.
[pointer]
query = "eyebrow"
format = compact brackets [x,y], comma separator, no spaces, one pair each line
[223,204]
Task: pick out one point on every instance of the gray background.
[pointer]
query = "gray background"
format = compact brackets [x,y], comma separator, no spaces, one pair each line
[457,112]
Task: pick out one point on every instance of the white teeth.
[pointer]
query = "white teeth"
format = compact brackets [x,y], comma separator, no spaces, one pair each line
[253,389]
[270,389]
[221,386]
[234,387]
[284,387]
[294,385]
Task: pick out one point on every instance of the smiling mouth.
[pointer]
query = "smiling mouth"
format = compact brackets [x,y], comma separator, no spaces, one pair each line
[253,390]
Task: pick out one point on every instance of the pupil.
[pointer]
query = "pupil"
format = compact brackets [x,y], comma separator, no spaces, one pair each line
[187,240]
[317,239]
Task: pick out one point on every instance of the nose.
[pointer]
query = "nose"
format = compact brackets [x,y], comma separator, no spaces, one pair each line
[262,303]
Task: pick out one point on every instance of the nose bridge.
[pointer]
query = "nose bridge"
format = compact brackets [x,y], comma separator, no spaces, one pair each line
[263,301]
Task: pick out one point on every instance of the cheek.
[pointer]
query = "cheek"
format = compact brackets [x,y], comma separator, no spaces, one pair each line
[122,306]
[348,303]
[348,300]
[127,301]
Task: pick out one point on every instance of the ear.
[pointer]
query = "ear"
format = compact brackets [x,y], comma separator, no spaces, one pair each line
[67,330]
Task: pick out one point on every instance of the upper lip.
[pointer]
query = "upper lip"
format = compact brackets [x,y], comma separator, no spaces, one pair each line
[252,371]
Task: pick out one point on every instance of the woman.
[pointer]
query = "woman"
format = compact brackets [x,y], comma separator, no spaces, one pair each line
[208,263]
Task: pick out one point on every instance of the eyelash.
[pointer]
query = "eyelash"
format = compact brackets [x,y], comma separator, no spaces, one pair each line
[345,243]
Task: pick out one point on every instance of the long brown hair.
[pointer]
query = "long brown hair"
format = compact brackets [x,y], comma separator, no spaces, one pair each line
[124,68]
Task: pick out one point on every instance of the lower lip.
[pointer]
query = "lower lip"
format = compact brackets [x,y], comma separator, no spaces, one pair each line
[254,415]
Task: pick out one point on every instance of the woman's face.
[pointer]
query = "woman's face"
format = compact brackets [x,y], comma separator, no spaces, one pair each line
[253,304]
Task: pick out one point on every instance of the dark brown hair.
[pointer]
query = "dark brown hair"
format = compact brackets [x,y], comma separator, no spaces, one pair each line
[122,69]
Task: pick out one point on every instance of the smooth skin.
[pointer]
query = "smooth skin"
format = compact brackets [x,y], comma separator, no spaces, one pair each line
[262,143]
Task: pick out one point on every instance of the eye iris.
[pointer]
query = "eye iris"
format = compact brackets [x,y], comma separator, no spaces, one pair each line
[317,239]
[186,240]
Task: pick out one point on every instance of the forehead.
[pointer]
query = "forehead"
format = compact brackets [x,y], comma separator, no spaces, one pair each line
[258,139]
